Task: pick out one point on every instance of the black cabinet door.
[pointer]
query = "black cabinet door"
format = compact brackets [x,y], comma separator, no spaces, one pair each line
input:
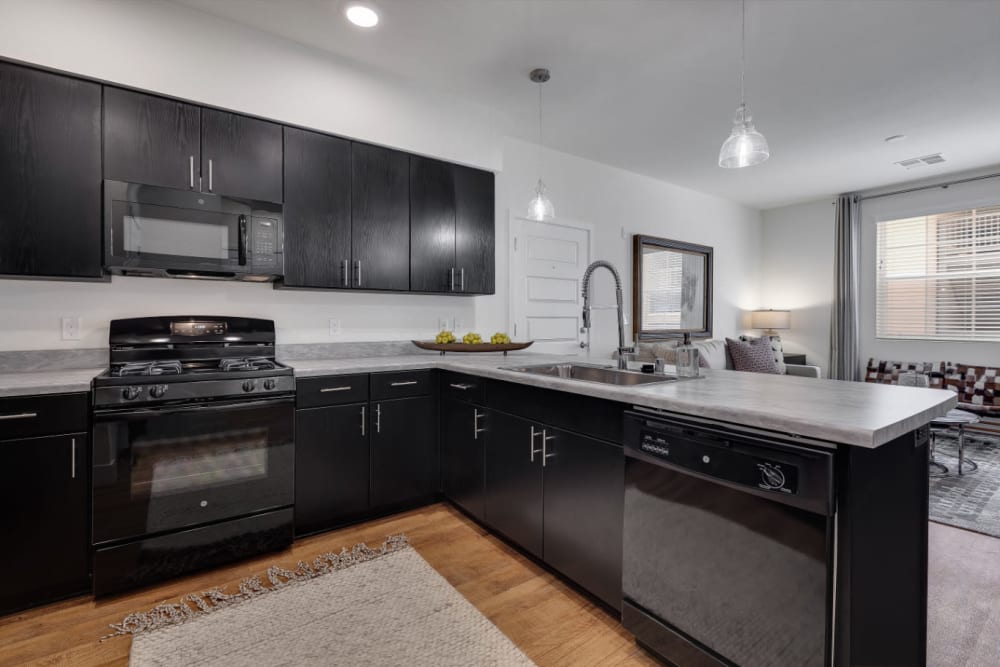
[584,500]
[151,140]
[317,210]
[331,466]
[43,488]
[514,480]
[463,438]
[475,231]
[240,156]
[432,226]
[404,451]
[380,231]
[50,174]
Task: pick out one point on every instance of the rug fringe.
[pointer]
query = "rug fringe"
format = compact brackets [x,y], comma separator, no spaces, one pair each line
[165,613]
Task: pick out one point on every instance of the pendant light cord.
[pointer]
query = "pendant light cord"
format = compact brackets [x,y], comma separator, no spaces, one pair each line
[743,49]
[539,130]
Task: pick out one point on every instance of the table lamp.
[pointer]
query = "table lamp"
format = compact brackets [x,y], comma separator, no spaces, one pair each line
[770,320]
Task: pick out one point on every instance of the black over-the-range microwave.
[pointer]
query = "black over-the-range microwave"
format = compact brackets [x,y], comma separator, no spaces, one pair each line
[163,232]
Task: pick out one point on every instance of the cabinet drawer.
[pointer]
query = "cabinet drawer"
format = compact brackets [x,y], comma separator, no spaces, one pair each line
[52,414]
[400,384]
[461,387]
[331,390]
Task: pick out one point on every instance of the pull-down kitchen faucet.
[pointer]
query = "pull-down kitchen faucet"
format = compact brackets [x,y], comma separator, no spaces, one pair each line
[622,350]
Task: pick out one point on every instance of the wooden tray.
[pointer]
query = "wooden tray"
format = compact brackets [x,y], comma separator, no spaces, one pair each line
[465,347]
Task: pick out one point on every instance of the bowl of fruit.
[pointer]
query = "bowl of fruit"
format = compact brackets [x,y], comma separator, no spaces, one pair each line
[446,341]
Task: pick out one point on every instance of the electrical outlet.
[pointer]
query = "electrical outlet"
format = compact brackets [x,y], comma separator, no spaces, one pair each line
[443,323]
[71,328]
[334,327]
[458,325]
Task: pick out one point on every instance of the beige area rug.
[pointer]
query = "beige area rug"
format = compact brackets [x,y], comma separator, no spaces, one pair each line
[963,606]
[365,606]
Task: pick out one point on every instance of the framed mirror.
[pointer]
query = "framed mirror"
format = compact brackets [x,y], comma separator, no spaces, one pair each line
[671,289]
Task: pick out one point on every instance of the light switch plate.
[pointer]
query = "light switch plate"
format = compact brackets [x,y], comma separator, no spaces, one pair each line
[71,328]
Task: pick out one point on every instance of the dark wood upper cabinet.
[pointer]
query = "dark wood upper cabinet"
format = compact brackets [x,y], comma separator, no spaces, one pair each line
[151,140]
[380,229]
[240,156]
[50,174]
[317,210]
[432,226]
[475,231]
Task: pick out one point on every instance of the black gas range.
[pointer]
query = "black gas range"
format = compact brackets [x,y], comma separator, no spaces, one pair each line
[193,440]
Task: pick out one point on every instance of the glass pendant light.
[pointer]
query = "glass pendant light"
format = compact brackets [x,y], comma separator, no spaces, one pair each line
[540,207]
[745,146]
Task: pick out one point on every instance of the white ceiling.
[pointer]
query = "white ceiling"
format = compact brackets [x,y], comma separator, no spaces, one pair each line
[651,85]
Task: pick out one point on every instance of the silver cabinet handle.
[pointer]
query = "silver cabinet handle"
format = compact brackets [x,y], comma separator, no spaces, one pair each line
[402,383]
[476,416]
[451,272]
[545,450]
[461,280]
[357,268]
[326,390]
[344,280]
[378,417]
[362,421]
[72,459]
[191,169]
[209,175]
[533,450]
[20,415]
[463,387]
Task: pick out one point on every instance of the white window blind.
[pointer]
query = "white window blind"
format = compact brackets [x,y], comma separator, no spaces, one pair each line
[662,273]
[938,276]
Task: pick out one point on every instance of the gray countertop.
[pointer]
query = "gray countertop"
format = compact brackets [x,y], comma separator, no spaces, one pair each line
[30,383]
[854,413]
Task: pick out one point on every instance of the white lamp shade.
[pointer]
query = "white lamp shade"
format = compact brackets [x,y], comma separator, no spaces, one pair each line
[771,319]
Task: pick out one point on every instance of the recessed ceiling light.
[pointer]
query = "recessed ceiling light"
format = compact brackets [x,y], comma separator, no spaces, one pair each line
[894,138]
[362,16]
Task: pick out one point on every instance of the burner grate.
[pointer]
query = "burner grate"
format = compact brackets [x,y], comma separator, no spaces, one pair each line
[247,364]
[172,367]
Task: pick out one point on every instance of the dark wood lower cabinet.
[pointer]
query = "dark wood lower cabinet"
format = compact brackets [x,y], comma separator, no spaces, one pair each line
[514,480]
[584,512]
[464,429]
[44,488]
[404,460]
[331,466]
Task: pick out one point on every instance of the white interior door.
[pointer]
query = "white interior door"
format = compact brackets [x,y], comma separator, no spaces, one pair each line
[547,264]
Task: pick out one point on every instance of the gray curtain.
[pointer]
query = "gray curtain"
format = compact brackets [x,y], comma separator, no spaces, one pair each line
[844,333]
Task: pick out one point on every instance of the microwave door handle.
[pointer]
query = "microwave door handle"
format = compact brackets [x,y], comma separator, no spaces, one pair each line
[242,241]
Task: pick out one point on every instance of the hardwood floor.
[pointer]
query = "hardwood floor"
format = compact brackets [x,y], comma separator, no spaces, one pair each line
[549,620]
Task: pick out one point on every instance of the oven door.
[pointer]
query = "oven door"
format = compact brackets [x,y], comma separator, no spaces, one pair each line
[151,230]
[162,469]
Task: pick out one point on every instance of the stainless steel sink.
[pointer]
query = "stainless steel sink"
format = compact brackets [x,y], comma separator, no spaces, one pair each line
[590,373]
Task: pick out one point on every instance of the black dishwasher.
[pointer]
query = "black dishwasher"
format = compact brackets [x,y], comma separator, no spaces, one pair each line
[728,545]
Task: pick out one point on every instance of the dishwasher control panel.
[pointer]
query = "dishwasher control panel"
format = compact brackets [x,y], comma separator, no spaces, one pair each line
[721,459]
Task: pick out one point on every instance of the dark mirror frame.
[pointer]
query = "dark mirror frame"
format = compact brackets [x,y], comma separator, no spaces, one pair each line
[638,241]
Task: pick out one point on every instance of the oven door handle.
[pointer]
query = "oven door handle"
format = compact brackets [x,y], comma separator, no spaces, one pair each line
[242,240]
[140,413]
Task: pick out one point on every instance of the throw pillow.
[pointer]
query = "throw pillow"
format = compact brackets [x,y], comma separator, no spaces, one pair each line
[754,356]
[779,353]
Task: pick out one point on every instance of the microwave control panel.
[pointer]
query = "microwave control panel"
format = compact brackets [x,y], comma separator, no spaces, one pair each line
[265,244]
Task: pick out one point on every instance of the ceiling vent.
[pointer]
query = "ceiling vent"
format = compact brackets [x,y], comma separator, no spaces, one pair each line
[914,162]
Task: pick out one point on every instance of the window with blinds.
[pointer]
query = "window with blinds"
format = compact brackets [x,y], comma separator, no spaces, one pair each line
[938,276]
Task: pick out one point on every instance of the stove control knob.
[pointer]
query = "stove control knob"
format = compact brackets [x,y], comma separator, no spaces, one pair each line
[158,391]
[249,385]
[131,393]
[270,384]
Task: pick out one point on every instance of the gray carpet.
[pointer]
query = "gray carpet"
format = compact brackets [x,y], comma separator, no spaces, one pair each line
[971,501]
[963,607]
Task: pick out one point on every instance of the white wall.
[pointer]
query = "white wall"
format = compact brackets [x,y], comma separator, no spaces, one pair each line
[612,199]
[178,51]
[797,275]
[797,271]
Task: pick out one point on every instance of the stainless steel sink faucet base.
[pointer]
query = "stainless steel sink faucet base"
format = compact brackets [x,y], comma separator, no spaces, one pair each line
[623,351]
